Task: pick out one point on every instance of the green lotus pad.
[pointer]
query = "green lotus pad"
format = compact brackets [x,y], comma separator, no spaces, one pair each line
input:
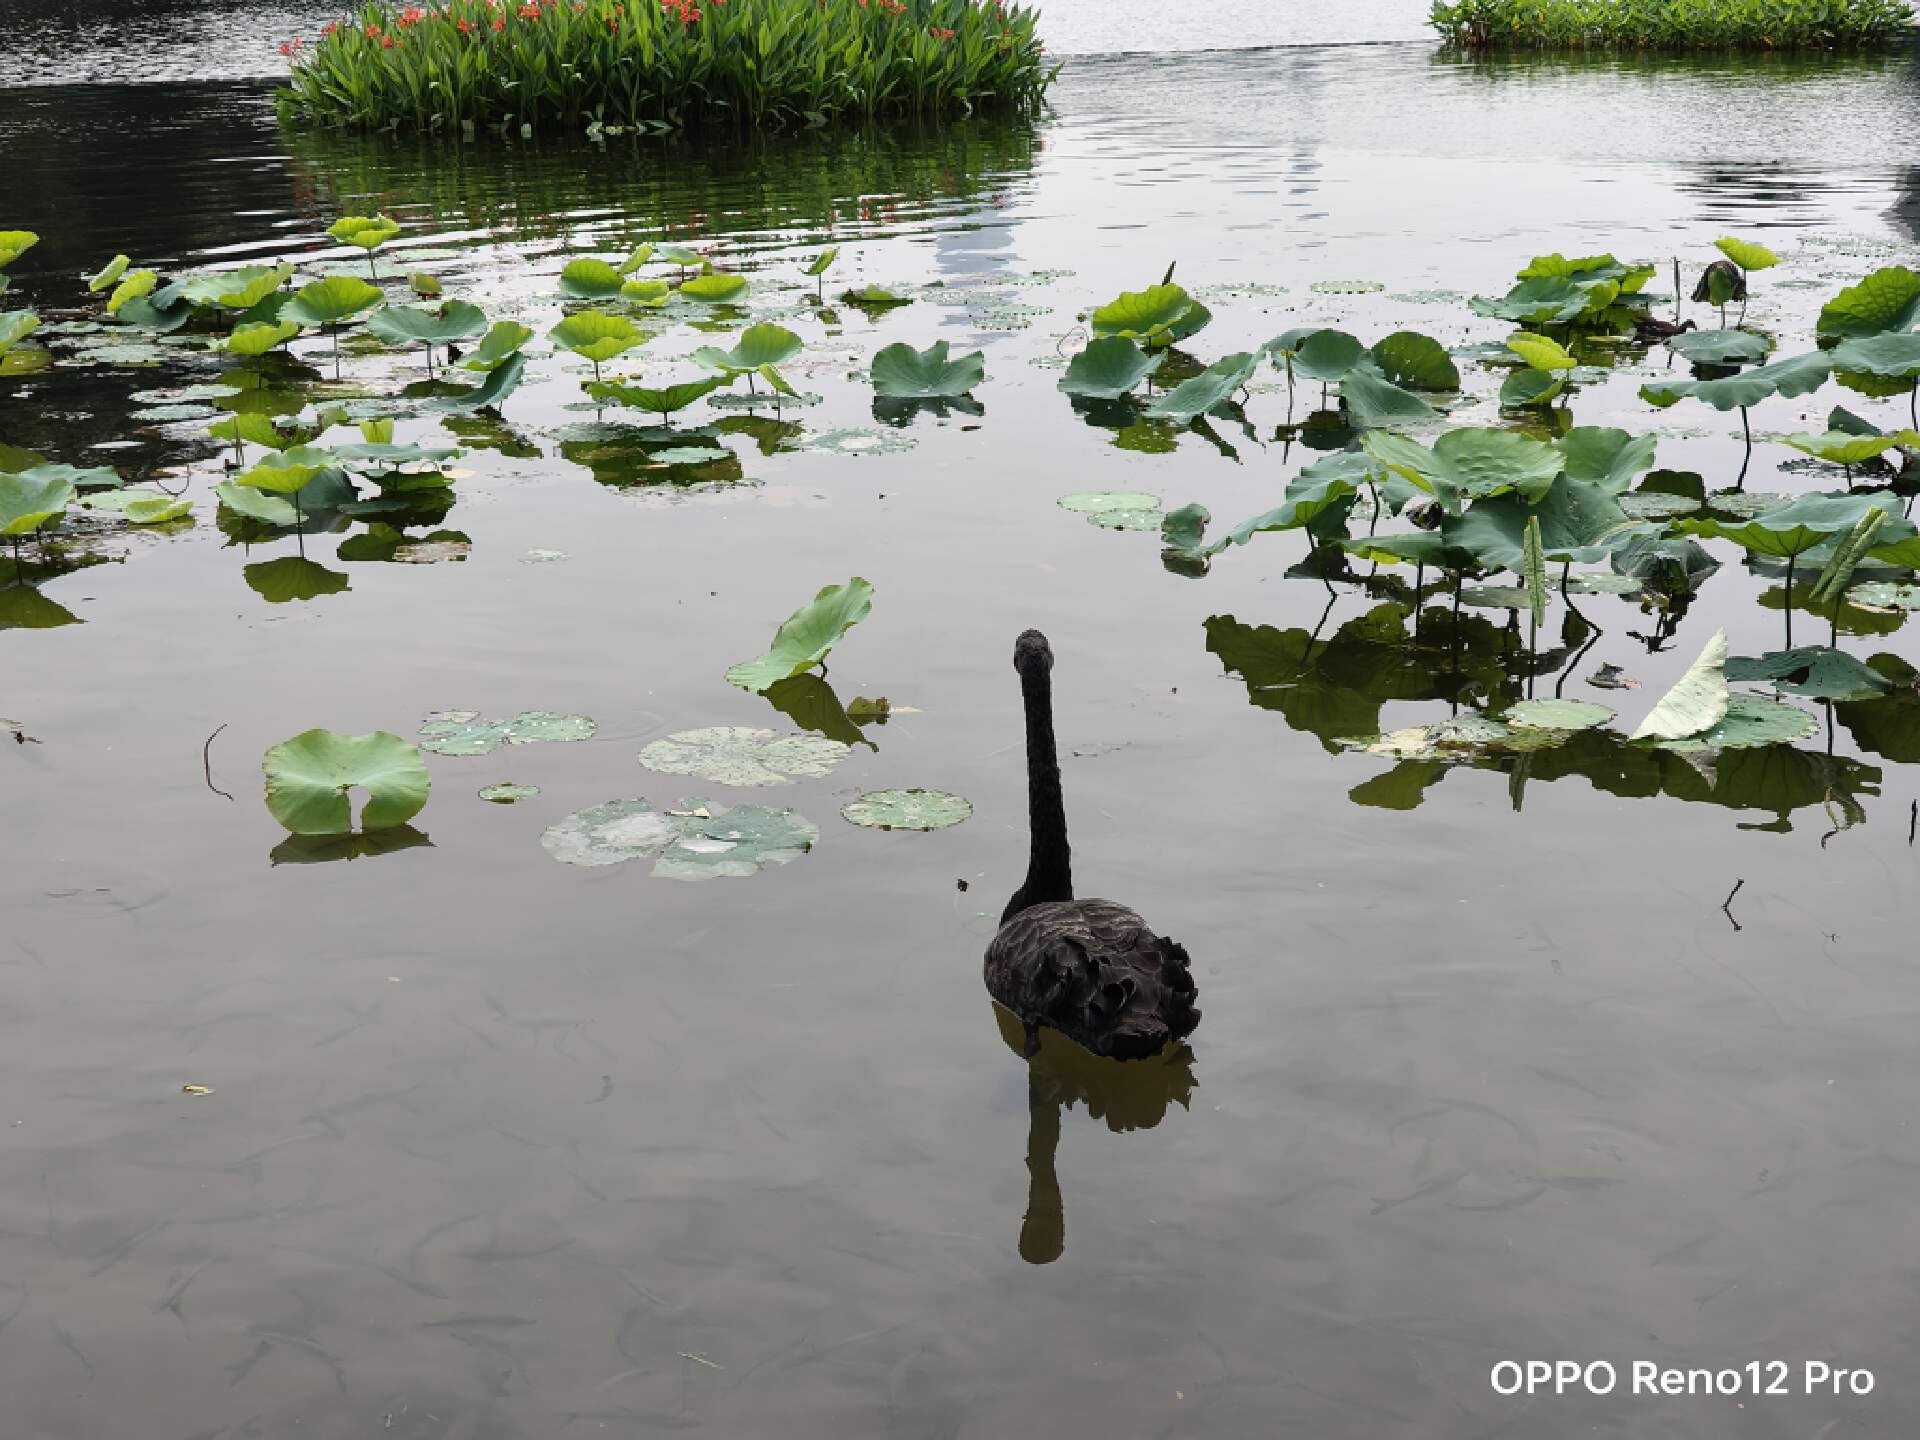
[742,756]
[463,732]
[693,841]
[311,776]
[907,809]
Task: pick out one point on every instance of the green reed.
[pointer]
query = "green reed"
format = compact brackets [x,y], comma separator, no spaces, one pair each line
[1675,25]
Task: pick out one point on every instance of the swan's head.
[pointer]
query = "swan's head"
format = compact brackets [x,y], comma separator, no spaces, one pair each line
[1032,654]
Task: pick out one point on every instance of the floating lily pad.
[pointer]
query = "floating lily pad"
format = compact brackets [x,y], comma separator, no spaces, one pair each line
[741,756]
[907,809]
[1097,503]
[1346,287]
[1750,721]
[463,732]
[310,776]
[692,842]
[1817,671]
[1557,714]
[1885,595]
[1462,737]
[507,793]
[168,414]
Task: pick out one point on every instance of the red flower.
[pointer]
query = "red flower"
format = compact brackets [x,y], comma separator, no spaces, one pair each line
[373,31]
[465,27]
[411,16]
[499,25]
[386,42]
[938,33]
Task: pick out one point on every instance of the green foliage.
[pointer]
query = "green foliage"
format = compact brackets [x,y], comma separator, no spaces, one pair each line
[715,287]
[29,501]
[309,779]
[1157,317]
[421,325]
[329,301]
[804,639]
[1799,375]
[1108,368]
[658,400]
[1888,299]
[1213,386]
[1673,25]
[14,244]
[364,232]
[596,336]
[1416,361]
[604,65]
[757,346]
[1746,254]
[591,280]
[902,373]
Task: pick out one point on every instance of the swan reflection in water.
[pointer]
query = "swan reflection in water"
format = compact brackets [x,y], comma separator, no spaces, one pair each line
[1126,1094]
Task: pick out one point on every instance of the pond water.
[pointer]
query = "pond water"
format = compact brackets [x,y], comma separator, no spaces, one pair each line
[503,1147]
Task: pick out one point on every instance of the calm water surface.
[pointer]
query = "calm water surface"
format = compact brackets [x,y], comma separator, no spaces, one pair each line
[499,1147]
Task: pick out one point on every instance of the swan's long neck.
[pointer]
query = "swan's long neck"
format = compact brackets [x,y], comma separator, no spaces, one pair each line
[1049,862]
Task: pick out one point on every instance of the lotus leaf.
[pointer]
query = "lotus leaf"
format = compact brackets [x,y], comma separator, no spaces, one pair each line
[240,289]
[907,809]
[502,380]
[367,233]
[1605,456]
[1101,505]
[1750,721]
[651,293]
[507,793]
[1108,368]
[132,287]
[1540,351]
[1888,299]
[591,280]
[636,257]
[740,756]
[1794,529]
[29,501]
[873,297]
[427,287]
[421,325]
[1416,361]
[804,639]
[1800,375]
[596,336]
[498,345]
[714,289]
[1817,671]
[1747,255]
[330,301]
[663,400]
[1885,595]
[1373,403]
[140,507]
[901,372]
[1838,447]
[1529,387]
[310,776]
[109,274]
[1316,353]
[1212,387]
[257,338]
[288,471]
[1470,464]
[1718,347]
[1147,315]
[678,255]
[1557,714]
[1318,499]
[15,326]
[1697,702]
[14,244]
[464,732]
[820,262]
[251,504]
[691,843]
[760,345]
[1462,737]
[1580,523]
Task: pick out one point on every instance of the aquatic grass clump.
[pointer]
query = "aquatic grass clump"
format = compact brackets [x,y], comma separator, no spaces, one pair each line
[1674,25]
[665,64]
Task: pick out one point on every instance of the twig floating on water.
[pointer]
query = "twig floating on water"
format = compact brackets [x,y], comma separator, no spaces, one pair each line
[206,762]
[1726,906]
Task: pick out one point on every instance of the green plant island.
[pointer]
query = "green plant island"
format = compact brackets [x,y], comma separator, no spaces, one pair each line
[1674,26]
[662,65]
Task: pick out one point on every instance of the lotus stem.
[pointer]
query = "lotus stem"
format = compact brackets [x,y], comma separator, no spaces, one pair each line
[1787,610]
[1913,405]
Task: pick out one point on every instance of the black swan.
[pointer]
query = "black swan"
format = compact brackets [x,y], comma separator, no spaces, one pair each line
[1061,1075]
[1090,969]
